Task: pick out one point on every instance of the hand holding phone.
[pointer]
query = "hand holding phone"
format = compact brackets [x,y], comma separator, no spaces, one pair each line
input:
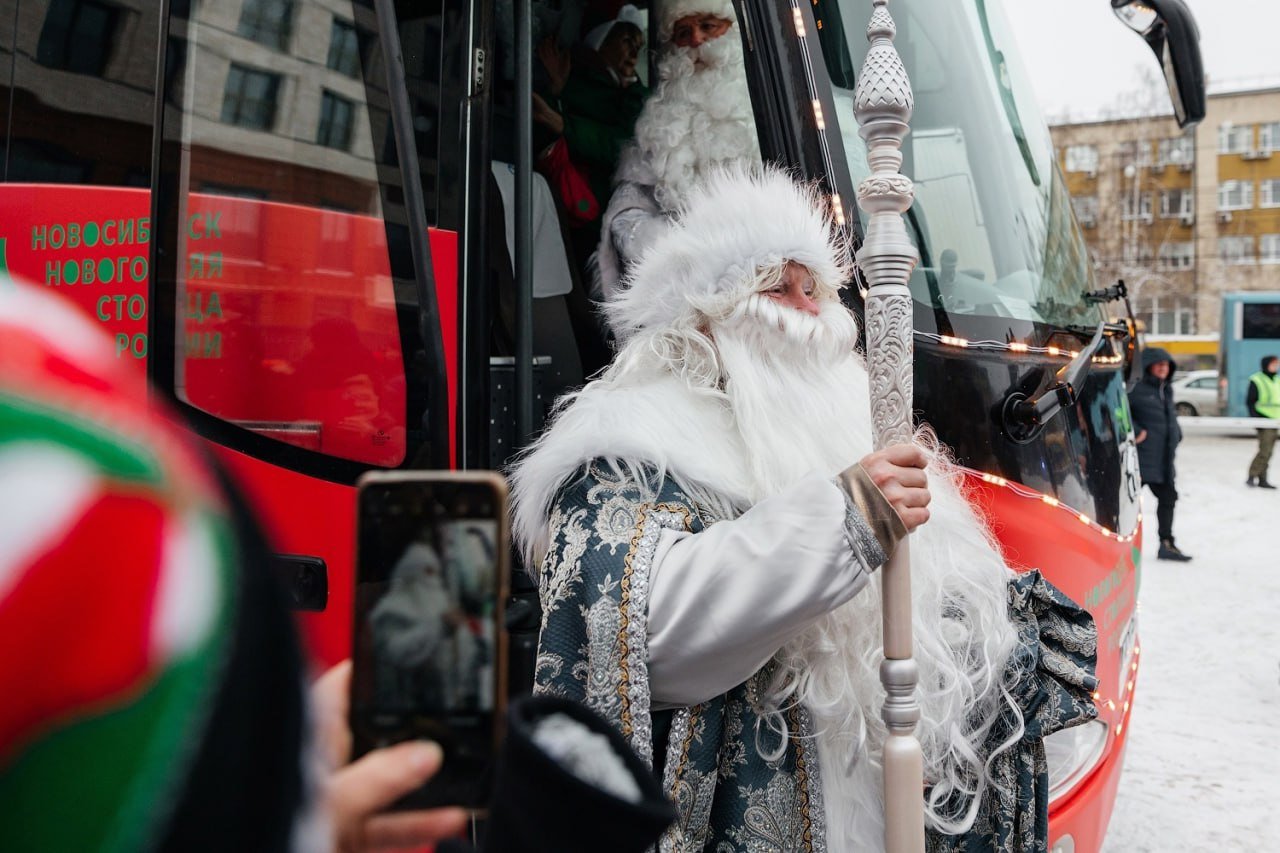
[357,793]
[430,652]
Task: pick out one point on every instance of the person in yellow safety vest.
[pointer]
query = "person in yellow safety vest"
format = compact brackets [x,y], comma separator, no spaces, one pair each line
[1263,400]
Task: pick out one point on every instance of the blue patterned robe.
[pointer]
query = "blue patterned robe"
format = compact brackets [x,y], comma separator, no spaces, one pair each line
[594,586]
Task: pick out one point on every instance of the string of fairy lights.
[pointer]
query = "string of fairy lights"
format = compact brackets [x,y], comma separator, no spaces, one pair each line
[819,120]
[1015,347]
[1049,500]
[1128,691]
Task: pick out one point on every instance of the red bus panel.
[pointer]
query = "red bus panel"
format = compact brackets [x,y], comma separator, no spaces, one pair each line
[288,327]
[1101,570]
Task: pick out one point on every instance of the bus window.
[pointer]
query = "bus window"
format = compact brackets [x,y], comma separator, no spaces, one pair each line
[1260,320]
[75,157]
[295,306]
[1250,332]
[81,100]
[998,246]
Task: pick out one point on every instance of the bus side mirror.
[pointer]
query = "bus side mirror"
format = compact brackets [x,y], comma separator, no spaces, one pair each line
[1169,28]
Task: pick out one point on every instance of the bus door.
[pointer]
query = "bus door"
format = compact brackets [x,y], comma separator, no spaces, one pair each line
[304,293]
[548,256]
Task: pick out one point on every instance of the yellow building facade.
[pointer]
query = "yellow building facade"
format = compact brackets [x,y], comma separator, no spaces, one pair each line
[1181,217]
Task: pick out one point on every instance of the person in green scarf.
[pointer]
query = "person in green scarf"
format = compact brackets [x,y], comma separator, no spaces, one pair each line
[593,103]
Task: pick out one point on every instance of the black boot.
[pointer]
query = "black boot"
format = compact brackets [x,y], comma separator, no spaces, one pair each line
[1169,551]
[1263,484]
[1252,481]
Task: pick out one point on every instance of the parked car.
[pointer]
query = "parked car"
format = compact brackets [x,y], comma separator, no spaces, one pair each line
[1196,393]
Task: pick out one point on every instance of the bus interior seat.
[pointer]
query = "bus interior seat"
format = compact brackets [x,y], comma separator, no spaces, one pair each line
[553,332]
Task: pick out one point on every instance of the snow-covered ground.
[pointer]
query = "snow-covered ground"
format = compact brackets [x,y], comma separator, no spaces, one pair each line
[1202,771]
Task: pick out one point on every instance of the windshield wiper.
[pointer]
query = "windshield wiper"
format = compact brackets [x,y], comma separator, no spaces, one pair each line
[1111,329]
[1001,72]
[1024,417]
[1107,294]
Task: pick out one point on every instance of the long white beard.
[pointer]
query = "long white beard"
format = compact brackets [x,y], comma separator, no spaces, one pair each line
[787,380]
[699,118]
[800,398]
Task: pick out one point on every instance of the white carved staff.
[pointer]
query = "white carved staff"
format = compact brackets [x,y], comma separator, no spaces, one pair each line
[882,106]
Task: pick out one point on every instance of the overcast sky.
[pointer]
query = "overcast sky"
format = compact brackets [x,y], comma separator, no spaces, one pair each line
[1081,57]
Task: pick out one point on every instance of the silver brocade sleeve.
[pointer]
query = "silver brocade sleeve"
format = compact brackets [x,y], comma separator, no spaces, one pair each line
[723,601]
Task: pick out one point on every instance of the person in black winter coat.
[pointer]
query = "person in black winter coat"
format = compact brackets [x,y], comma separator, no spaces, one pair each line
[1157,434]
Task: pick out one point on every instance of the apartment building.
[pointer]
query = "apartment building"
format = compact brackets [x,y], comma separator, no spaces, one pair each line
[1181,217]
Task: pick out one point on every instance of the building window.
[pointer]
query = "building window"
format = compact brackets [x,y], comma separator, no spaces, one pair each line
[1137,253]
[1086,208]
[42,162]
[1235,250]
[175,65]
[77,36]
[1177,256]
[1176,151]
[1270,192]
[1235,195]
[1136,208]
[1269,136]
[1135,153]
[1235,139]
[1082,158]
[267,22]
[1177,203]
[1269,249]
[1168,315]
[344,49]
[335,122]
[249,99]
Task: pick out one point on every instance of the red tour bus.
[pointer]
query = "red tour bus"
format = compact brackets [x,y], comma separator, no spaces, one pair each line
[326,260]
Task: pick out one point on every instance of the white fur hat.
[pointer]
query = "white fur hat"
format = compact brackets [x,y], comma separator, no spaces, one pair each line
[736,222]
[674,10]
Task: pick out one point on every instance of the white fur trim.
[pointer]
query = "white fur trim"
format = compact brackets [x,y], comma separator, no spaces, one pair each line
[676,9]
[587,755]
[738,221]
[649,423]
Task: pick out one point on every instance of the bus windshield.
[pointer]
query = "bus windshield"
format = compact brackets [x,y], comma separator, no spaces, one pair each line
[991,218]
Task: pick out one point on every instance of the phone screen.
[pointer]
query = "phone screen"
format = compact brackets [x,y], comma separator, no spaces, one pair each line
[428,649]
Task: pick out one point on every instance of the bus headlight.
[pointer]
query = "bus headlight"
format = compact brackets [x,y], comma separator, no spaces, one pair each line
[1071,754]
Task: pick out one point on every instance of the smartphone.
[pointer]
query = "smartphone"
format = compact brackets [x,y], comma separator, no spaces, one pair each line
[429,649]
